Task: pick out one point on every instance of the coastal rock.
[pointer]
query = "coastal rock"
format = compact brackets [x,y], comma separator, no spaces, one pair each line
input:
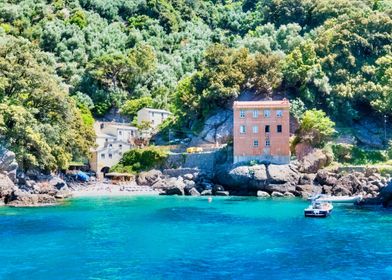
[8,164]
[194,192]
[188,176]
[57,182]
[281,174]
[262,194]
[206,192]
[324,177]
[386,195]
[305,188]
[6,187]
[282,188]
[222,193]
[174,186]
[307,179]
[217,188]
[24,199]
[288,194]
[63,193]
[276,194]
[314,161]
[259,177]
[218,127]
[148,178]
[340,191]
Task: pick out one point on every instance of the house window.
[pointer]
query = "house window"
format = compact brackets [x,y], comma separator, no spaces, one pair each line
[110,155]
[119,132]
[279,113]
[102,125]
[255,114]
[242,114]
[102,155]
[279,128]
[255,143]
[120,146]
[255,129]
[267,143]
[153,114]
[242,129]
[131,132]
[110,145]
[267,113]
[267,129]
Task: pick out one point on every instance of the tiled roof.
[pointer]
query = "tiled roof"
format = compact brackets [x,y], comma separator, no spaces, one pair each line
[155,110]
[262,104]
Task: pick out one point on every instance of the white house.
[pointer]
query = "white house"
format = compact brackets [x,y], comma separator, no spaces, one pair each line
[112,140]
[153,116]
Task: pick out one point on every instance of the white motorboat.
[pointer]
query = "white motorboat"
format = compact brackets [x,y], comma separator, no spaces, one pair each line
[337,199]
[318,209]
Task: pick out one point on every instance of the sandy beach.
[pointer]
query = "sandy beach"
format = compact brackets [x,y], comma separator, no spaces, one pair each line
[102,189]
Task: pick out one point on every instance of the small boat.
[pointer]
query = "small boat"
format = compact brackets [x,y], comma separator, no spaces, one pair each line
[337,199]
[318,209]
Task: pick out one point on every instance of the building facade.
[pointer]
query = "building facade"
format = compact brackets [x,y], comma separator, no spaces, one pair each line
[112,140]
[153,116]
[262,131]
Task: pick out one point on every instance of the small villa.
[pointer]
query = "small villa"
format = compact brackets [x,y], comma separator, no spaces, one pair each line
[113,139]
[153,116]
[261,131]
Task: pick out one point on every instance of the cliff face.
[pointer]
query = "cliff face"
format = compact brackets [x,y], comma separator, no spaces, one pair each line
[8,164]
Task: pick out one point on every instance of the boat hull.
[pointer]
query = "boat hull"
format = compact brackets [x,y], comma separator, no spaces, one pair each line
[317,213]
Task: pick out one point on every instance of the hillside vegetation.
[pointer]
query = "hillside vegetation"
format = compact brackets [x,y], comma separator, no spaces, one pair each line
[62,59]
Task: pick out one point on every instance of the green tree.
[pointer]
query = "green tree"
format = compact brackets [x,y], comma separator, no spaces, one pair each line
[316,128]
[39,121]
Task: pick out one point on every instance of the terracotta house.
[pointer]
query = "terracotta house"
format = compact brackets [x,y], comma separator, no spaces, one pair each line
[262,131]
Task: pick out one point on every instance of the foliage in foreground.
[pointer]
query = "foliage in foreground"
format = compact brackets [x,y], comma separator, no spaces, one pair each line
[38,120]
[137,160]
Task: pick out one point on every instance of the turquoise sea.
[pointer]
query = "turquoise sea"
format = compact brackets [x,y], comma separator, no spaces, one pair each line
[189,238]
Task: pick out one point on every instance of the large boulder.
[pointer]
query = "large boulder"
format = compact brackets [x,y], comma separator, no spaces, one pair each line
[148,178]
[171,186]
[57,182]
[243,176]
[6,187]
[314,161]
[262,194]
[218,128]
[324,177]
[282,188]
[386,195]
[282,174]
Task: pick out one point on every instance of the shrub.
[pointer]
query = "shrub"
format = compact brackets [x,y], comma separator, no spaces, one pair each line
[345,153]
[137,160]
[316,128]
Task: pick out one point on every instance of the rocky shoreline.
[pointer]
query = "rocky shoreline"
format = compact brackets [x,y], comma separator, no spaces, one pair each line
[262,180]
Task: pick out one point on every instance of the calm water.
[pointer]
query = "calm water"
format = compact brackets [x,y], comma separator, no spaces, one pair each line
[189,238]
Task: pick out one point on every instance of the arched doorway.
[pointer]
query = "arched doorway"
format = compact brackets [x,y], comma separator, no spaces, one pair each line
[105,170]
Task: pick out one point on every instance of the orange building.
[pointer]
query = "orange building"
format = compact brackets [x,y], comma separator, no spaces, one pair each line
[262,131]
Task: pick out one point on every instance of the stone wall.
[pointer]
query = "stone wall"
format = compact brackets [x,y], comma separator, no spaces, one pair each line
[202,161]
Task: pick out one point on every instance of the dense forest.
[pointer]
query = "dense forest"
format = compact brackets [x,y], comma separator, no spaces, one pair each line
[64,61]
